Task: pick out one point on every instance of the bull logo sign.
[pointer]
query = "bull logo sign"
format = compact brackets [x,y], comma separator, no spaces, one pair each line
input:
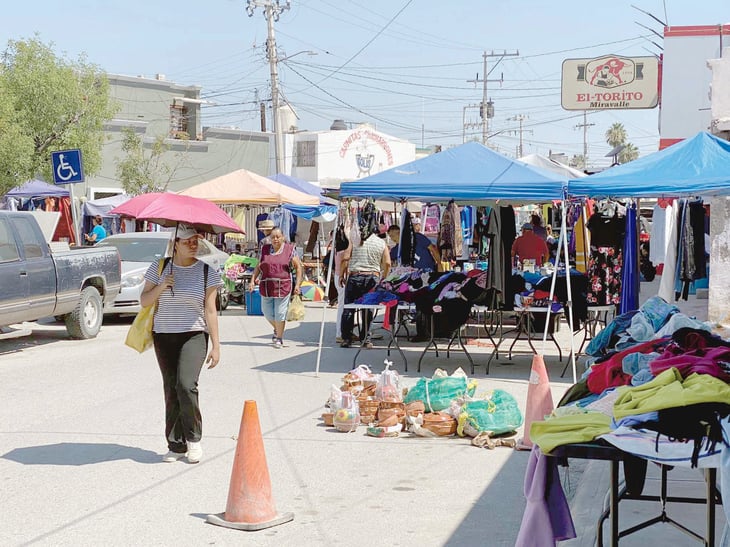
[610,82]
[610,72]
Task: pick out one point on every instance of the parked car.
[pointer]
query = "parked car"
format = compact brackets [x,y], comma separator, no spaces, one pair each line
[137,251]
[71,284]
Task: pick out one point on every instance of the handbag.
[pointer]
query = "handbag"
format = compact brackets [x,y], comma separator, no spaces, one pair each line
[296,309]
[139,336]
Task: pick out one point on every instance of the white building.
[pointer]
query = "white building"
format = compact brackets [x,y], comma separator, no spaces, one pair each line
[340,154]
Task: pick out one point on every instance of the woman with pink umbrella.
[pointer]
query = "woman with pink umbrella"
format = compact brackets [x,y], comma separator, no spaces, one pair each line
[184,290]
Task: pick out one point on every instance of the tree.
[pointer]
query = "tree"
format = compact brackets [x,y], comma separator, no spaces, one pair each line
[48,103]
[616,135]
[141,170]
[629,153]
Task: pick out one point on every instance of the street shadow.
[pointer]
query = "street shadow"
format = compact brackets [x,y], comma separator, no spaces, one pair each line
[501,501]
[79,454]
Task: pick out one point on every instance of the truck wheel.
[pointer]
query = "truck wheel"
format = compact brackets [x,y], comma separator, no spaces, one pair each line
[85,321]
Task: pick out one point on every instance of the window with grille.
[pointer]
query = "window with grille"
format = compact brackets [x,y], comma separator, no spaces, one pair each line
[306,154]
[178,121]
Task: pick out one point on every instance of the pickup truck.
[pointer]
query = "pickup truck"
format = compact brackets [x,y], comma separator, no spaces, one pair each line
[73,284]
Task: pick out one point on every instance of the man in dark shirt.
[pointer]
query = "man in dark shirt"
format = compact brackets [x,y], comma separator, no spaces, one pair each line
[423,257]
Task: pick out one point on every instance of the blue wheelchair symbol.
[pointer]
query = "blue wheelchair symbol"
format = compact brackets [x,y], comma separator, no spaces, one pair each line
[67,166]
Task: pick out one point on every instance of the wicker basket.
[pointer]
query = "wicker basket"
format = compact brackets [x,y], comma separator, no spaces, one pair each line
[327,418]
[440,423]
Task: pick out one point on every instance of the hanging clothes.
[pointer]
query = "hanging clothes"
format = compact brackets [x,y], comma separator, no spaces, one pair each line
[285,219]
[666,284]
[481,235]
[467,230]
[407,240]
[431,215]
[582,242]
[495,266]
[658,238]
[507,236]
[630,270]
[449,239]
[605,263]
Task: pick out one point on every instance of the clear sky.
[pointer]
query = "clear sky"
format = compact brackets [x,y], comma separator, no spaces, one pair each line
[401,65]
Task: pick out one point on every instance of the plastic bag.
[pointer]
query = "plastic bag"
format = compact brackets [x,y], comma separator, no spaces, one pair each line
[437,393]
[139,336]
[296,309]
[388,386]
[498,414]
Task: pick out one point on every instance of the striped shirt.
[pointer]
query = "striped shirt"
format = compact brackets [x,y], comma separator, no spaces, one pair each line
[182,309]
[368,256]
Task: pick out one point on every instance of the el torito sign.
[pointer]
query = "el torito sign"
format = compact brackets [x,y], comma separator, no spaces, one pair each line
[610,82]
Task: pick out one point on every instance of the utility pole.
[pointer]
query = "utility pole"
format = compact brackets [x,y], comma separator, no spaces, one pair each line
[585,125]
[487,107]
[520,118]
[272,10]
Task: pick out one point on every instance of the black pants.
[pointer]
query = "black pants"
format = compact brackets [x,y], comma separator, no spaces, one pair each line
[181,357]
[357,285]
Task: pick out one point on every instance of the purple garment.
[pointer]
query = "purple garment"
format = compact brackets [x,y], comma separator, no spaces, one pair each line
[712,361]
[546,519]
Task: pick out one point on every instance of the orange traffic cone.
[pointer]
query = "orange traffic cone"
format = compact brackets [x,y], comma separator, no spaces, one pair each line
[539,399]
[250,505]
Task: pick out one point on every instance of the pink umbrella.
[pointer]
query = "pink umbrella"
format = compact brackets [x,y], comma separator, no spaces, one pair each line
[167,209]
[132,207]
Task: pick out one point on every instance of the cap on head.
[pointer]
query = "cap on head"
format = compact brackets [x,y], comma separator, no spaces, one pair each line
[266,225]
[185,231]
[526,226]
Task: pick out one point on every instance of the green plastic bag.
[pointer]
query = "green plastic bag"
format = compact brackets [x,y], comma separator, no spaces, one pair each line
[499,414]
[437,393]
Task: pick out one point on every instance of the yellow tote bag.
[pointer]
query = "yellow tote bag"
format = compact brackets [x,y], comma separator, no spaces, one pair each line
[139,336]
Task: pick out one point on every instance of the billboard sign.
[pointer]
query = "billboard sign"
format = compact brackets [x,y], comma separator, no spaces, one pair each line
[610,82]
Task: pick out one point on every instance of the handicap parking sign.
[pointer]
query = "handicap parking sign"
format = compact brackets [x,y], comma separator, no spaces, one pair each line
[67,166]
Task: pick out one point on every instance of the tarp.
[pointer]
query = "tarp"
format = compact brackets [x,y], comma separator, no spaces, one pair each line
[37,189]
[467,173]
[318,213]
[699,166]
[536,160]
[298,184]
[246,188]
[102,206]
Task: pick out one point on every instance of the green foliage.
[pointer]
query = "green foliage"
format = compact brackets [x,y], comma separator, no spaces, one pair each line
[145,170]
[630,153]
[615,136]
[48,103]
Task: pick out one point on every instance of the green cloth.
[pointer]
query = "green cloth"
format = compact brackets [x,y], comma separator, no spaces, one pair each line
[668,390]
[573,428]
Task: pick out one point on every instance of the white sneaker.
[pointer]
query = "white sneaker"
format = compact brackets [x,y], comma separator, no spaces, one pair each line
[173,456]
[278,344]
[195,452]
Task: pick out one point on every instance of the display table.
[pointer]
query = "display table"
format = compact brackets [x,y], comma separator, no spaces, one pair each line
[523,331]
[367,326]
[634,469]
[454,335]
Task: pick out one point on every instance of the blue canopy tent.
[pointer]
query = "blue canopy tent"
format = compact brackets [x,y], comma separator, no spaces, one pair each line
[470,173]
[37,189]
[297,184]
[467,173]
[692,167]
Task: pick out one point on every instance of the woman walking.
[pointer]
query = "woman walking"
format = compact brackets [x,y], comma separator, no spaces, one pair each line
[185,318]
[273,274]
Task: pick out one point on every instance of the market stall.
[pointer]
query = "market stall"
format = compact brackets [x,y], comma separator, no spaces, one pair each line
[658,384]
[468,174]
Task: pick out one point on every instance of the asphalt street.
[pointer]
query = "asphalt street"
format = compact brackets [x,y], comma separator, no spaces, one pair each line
[81,437]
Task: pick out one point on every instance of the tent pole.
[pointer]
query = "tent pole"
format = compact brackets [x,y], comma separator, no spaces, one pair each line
[327,284]
[568,285]
[552,289]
